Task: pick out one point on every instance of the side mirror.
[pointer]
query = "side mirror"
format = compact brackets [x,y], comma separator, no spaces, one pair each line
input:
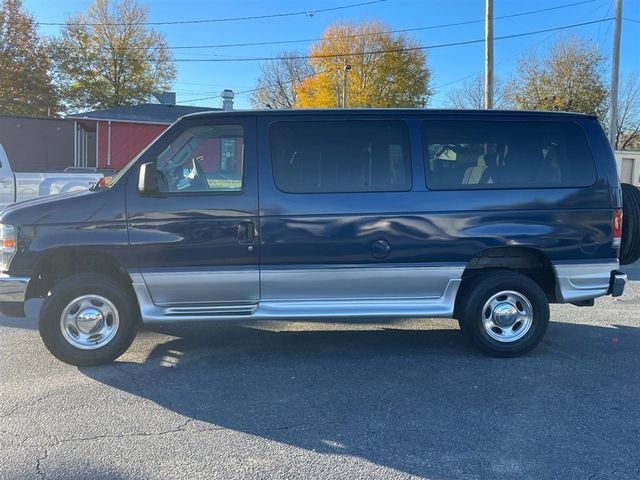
[147,181]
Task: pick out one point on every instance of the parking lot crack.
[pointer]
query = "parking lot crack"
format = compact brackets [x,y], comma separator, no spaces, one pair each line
[22,438]
[39,461]
[23,406]
[182,427]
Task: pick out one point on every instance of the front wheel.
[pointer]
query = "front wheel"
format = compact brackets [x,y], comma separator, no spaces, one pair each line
[504,313]
[88,320]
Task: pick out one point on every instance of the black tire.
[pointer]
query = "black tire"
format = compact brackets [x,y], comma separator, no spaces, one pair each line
[477,292]
[630,247]
[77,286]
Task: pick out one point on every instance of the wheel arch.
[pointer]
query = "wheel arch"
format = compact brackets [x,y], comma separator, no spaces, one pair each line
[59,264]
[531,262]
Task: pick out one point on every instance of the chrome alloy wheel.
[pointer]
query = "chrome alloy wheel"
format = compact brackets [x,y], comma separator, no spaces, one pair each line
[507,316]
[89,322]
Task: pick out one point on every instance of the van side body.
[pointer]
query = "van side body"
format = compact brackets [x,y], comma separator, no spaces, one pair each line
[264,236]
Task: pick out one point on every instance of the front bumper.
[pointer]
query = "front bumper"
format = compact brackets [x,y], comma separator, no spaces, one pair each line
[13,291]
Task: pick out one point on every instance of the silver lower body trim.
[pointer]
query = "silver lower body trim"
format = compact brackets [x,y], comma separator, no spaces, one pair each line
[583,281]
[321,293]
[235,285]
[357,282]
[13,289]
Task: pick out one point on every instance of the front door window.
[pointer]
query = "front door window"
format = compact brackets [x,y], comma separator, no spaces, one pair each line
[207,158]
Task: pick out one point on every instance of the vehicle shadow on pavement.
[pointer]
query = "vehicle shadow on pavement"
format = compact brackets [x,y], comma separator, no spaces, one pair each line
[418,401]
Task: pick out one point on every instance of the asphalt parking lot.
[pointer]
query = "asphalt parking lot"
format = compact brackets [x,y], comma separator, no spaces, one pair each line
[321,400]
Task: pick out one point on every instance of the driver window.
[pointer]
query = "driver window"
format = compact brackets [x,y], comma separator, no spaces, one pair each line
[207,158]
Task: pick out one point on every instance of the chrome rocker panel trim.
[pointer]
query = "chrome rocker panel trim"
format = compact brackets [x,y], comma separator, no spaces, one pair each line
[216,285]
[432,293]
[430,305]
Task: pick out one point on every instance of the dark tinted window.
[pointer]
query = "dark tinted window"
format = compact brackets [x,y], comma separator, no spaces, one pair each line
[340,156]
[490,154]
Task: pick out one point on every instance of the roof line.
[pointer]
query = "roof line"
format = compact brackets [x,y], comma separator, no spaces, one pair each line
[340,111]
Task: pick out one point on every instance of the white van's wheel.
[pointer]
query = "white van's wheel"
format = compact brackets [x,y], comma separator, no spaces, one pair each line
[88,320]
[503,313]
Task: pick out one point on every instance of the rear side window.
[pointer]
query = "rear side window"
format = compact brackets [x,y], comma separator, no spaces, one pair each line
[469,154]
[340,156]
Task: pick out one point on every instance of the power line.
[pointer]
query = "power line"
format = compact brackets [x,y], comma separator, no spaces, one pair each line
[458,80]
[357,35]
[191,100]
[243,92]
[392,50]
[503,37]
[437,87]
[307,13]
[631,19]
[609,5]
[468,42]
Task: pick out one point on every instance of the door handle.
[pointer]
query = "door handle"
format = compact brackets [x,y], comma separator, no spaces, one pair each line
[246,232]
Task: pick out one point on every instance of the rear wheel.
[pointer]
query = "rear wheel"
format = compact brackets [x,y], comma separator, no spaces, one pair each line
[503,313]
[630,247]
[88,320]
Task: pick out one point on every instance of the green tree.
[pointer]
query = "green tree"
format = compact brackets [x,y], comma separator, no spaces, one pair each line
[569,78]
[387,70]
[25,84]
[109,58]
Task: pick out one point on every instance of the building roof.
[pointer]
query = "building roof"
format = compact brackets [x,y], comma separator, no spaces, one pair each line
[146,112]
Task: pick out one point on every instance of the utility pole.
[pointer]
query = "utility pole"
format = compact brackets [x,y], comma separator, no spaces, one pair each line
[615,74]
[346,68]
[488,55]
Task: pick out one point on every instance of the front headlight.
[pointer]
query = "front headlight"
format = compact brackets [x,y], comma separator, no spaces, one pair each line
[8,244]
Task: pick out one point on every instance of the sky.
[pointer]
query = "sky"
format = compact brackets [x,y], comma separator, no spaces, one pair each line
[450,66]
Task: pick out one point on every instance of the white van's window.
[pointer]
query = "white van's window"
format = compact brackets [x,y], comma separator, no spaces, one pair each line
[340,156]
[469,154]
[205,158]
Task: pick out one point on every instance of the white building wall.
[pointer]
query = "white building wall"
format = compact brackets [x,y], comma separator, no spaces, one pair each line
[628,163]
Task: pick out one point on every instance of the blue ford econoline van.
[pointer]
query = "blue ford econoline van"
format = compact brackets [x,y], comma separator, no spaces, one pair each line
[482,216]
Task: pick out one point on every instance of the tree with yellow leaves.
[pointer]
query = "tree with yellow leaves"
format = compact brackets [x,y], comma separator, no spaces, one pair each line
[386,70]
